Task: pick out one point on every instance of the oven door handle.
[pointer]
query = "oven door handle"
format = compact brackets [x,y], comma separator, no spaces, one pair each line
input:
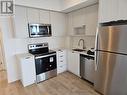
[45,56]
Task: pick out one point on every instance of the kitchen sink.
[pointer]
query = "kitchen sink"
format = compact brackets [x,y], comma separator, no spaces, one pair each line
[79,50]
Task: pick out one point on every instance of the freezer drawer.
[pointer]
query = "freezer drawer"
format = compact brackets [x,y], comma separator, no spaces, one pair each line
[111,74]
[87,68]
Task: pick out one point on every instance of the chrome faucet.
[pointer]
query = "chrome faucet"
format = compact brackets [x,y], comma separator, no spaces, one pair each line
[84,47]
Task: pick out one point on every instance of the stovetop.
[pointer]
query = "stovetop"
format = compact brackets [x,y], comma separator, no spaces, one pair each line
[45,53]
[40,49]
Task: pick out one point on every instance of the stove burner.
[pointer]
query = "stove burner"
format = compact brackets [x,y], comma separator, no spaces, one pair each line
[39,49]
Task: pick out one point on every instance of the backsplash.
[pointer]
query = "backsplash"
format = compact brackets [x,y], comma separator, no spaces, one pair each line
[89,42]
[54,42]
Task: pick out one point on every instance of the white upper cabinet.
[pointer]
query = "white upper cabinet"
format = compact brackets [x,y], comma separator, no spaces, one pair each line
[70,24]
[122,14]
[79,18]
[44,17]
[83,22]
[58,22]
[91,20]
[112,10]
[108,10]
[20,22]
[33,15]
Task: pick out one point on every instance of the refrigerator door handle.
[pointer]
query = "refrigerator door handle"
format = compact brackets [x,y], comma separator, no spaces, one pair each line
[96,60]
[96,39]
[96,48]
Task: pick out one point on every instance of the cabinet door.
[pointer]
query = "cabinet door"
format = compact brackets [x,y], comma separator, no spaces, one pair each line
[28,71]
[91,20]
[108,10]
[73,63]
[20,22]
[44,17]
[70,24]
[58,21]
[33,15]
[122,15]
[79,18]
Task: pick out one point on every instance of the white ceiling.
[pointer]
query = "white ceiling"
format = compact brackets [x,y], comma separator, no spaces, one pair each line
[70,5]
[43,4]
[56,5]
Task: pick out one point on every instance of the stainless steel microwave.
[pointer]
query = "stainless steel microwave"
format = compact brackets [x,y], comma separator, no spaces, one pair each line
[39,30]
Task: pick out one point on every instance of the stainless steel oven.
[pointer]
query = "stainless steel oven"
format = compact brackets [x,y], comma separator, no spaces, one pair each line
[45,67]
[45,61]
[39,30]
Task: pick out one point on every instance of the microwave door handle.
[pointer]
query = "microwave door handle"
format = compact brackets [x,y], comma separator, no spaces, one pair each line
[48,29]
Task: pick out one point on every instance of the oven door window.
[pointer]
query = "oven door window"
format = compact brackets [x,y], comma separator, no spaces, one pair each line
[45,64]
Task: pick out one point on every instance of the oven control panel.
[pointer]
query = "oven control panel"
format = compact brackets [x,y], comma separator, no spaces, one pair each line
[36,46]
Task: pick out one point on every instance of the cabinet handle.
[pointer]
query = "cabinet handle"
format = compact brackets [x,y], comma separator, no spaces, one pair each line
[27,57]
[61,61]
[61,56]
[60,50]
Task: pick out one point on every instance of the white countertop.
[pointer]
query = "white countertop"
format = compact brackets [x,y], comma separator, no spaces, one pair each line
[24,55]
[84,53]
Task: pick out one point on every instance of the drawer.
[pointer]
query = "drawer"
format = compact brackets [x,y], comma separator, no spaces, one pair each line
[61,53]
[61,62]
[61,69]
[61,58]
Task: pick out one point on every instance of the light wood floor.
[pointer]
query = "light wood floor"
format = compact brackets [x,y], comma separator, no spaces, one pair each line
[64,84]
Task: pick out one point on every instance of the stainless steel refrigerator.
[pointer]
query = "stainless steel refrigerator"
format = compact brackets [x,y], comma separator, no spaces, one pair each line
[111,60]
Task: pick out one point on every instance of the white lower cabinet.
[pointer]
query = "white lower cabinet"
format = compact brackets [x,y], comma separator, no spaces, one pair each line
[27,69]
[74,63]
[61,61]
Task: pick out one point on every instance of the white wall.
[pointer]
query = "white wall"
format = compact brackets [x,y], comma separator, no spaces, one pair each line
[1,55]
[0,49]
[44,4]
[13,46]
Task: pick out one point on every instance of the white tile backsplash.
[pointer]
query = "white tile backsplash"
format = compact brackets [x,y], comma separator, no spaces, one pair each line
[89,42]
[54,42]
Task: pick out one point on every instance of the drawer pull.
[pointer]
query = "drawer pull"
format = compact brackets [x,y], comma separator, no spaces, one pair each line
[27,57]
[61,61]
[61,56]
